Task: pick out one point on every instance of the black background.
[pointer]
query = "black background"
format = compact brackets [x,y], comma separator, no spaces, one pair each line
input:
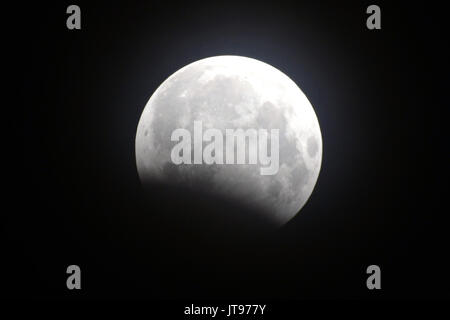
[379,198]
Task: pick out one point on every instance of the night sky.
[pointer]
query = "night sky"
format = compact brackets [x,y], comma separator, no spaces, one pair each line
[379,198]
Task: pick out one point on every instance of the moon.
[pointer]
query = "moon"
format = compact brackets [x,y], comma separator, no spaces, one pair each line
[233,92]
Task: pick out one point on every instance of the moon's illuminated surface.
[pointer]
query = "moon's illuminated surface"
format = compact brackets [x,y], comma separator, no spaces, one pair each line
[232,92]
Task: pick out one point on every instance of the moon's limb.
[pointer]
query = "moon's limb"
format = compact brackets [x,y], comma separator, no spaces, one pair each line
[231,92]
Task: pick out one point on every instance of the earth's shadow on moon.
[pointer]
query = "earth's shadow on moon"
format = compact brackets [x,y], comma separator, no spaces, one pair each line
[201,245]
[200,213]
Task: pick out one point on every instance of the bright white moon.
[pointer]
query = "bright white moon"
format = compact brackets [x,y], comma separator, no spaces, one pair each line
[233,92]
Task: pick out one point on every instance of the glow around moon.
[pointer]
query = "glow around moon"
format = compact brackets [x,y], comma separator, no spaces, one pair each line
[233,92]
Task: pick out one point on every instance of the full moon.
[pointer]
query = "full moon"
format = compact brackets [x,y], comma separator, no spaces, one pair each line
[233,92]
